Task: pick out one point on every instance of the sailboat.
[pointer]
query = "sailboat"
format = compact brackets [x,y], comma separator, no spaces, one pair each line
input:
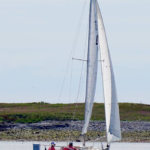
[97,42]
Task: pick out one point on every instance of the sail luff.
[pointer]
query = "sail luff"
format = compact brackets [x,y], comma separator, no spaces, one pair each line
[111,104]
[92,62]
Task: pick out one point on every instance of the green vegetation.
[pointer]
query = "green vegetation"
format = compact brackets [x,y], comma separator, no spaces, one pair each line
[46,135]
[57,135]
[36,112]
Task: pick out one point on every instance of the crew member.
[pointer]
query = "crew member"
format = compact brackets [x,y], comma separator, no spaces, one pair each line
[52,146]
[70,147]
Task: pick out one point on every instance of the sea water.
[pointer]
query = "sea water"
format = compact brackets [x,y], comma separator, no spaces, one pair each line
[29,145]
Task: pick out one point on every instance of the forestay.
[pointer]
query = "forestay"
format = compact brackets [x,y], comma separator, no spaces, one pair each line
[110,96]
[92,61]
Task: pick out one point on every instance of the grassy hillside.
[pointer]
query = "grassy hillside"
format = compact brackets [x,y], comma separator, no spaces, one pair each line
[35,112]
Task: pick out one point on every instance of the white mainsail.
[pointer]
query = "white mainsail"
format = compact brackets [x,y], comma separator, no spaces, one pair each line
[92,61]
[111,104]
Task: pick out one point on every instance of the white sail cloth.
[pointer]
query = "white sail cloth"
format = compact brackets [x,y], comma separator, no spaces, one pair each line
[92,61]
[110,96]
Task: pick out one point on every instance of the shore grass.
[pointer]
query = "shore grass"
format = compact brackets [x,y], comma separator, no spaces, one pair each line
[36,112]
[55,135]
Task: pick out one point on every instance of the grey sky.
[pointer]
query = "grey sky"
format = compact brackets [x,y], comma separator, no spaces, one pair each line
[36,38]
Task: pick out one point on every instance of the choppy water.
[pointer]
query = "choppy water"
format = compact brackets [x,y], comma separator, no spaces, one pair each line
[29,145]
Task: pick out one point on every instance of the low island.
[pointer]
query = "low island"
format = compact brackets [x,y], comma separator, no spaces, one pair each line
[60,122]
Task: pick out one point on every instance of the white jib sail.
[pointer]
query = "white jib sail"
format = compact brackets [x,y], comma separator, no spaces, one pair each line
[111,103]
[92,61]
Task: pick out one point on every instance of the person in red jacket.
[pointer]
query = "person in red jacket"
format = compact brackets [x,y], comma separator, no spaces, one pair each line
[52,146]
[70,147]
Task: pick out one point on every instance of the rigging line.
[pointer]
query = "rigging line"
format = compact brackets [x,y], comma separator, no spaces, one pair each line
[79,22]
[70,82]
[79,25]
[85,60]
[81,74]
[73,49]
[78,59]
[82,84]
[69,136]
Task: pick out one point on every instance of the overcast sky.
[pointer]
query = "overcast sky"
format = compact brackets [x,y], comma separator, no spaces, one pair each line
[36,39]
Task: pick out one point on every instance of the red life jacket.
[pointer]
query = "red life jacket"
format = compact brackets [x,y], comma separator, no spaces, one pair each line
[51,148]
[69,148]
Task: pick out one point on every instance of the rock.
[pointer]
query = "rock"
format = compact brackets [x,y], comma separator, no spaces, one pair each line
[126,126]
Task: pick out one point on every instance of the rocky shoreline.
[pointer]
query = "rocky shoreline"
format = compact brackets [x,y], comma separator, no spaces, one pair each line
[126,126]
[134,131]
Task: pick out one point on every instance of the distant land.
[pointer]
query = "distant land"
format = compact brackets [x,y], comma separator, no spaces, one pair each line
[37,112]
[56,122]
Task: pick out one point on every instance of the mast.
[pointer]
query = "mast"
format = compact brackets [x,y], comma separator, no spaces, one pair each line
[113,131]
[92,63]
